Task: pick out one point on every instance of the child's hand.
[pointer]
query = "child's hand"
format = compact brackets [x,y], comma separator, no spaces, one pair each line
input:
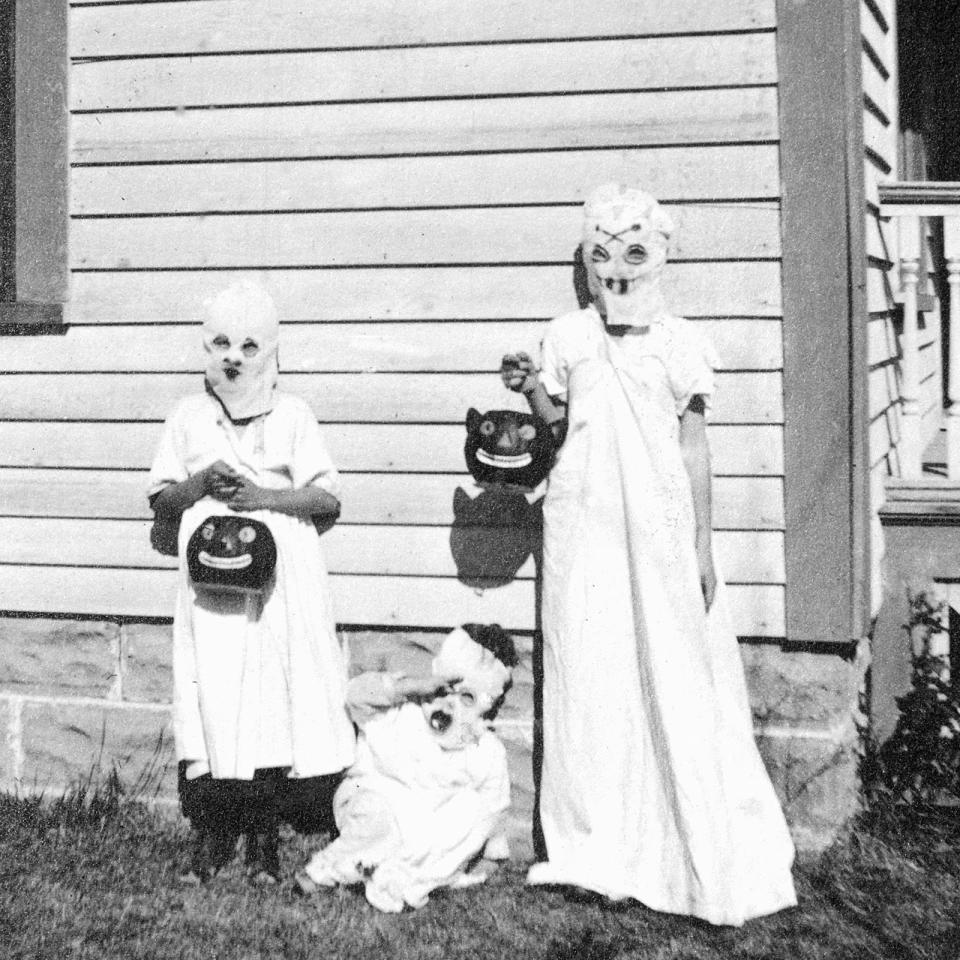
[220,480]
[248,496]
[708,576]
[518,372]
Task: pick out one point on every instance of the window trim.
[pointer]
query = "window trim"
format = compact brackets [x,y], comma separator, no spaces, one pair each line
[36,279]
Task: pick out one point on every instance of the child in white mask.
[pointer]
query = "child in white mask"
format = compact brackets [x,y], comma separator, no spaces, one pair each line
[259,677]
[430,782]
[652,787]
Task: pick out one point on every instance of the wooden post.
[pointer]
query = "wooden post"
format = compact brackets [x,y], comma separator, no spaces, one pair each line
[909,245]
[951,243]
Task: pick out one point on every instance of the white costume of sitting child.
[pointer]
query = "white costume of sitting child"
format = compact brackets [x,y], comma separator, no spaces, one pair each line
[430,784]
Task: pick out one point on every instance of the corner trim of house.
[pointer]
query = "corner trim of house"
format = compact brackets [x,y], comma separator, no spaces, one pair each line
[826,486]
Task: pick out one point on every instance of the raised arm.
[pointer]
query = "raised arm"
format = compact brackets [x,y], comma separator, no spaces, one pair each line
[519,374]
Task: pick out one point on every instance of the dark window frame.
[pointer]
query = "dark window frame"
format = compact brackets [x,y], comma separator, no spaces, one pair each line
[34,166]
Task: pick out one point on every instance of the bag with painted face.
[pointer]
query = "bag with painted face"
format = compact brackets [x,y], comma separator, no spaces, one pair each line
[232,553]
[509,449]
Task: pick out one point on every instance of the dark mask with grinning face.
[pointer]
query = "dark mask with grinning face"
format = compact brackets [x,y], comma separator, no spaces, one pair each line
[232,553]
[508,448]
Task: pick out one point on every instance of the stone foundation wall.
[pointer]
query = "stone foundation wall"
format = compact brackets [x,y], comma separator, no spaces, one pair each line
[78,698]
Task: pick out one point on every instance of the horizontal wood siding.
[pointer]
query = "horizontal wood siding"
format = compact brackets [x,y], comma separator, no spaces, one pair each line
[878,67]
[406,180]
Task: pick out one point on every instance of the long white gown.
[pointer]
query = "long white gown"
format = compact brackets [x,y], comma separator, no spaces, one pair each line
[257,683]
[652,786]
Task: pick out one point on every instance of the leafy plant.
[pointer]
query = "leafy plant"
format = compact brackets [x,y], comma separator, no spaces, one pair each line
[920,764]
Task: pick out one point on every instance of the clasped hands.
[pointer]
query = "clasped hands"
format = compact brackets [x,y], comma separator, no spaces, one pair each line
[223,483]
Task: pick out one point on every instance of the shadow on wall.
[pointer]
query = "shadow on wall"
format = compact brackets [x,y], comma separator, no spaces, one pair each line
[493,535]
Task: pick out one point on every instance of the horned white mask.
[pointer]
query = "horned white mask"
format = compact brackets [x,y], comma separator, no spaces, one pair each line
[624,246]
[240,336]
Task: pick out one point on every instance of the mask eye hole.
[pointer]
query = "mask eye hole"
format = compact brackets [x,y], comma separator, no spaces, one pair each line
[207,532]
[527,432]
[487,428]
[635,253]
[599,254]
[467,698]
[247,534]
[221,341]
[250,348]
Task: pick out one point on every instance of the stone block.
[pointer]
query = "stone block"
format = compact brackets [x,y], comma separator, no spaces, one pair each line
[519,743]
[377,650]
[800,687]
[68,657]
[66,743]
[9,745]
[816,776]
[147,662]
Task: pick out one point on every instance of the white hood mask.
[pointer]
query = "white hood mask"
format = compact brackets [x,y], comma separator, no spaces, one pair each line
[240,337]
[624,246]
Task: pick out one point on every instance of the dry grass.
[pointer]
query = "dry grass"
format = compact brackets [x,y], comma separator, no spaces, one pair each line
[95,876]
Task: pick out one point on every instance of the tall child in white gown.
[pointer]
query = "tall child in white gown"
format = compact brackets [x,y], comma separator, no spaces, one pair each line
[652,787]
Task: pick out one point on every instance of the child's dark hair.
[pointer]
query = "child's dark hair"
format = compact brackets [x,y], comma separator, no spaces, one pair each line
[492,637]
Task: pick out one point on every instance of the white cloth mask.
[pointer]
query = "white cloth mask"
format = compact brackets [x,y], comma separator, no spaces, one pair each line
[240,336]
[457,717]
[624,247]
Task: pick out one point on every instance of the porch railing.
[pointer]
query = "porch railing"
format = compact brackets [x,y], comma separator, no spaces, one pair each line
[918,209]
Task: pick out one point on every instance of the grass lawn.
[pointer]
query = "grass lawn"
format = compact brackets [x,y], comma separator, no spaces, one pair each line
[98,879]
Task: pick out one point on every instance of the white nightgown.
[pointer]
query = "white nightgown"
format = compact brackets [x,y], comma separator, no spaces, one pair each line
[411,814]
[257,687]
[652,785]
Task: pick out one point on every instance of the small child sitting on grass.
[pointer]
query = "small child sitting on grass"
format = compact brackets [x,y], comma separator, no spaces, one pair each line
[430,783]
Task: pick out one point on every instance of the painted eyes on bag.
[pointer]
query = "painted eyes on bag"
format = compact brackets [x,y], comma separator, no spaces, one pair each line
[635,253]
[599,254]
[207,532]
[487,428]
[247,534]
[527,431]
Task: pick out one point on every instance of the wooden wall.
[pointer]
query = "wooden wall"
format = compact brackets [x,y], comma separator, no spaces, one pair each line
[406,180]
[882,148]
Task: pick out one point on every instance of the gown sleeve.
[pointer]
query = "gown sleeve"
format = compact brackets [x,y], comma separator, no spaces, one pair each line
[553,365]
[169,465]
[690,363]
[312,463]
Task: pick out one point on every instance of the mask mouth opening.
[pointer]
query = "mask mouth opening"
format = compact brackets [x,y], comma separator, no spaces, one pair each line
[618,286]
[231,373]
[440,721]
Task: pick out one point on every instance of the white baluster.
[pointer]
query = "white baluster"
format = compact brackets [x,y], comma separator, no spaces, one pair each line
[910,452]
[951,244]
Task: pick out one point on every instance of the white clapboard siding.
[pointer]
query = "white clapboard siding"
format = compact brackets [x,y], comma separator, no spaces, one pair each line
[405,73]
[755,450]
[350,347]
[484,236]
[115,28]
[881,339]
[405,179]
[728,172]
[881,288]
[739,503]
[744,556]
[433,126]
[756,610]
[413,293]
[334,397]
